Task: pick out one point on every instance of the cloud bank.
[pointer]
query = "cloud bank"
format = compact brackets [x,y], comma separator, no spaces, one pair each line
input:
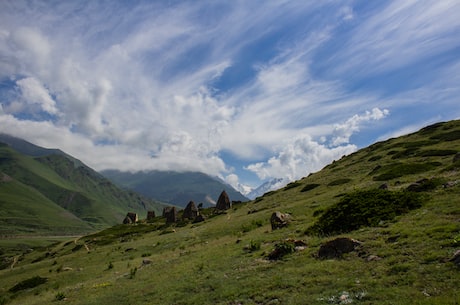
[283,88]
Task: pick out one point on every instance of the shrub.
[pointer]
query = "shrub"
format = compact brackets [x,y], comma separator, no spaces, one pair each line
[339,181]
[292,185]
[397,170]
[282,249]
[60,296]
[364,208]
[309,187]
[29,283]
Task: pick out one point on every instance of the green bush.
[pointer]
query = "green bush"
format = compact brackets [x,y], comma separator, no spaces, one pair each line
[339,181]
[29,283]
[292,185]
[364,208]
[309,187]
[397,170]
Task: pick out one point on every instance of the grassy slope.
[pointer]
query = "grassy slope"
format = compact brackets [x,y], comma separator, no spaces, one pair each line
[69,186]
[208,263]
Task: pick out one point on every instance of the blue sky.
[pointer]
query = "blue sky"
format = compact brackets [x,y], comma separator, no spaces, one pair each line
[244,90]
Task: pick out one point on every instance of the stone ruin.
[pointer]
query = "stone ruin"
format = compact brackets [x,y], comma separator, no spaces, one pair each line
[150,215]
[170,213]
[191,211]
[223,203]
[130,218]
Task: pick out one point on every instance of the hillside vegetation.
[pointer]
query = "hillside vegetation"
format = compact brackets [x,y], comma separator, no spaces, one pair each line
[398,199]
[58,195]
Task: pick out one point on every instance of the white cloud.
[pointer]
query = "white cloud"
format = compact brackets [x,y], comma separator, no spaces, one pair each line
[124,84]
[343,132]
[33,92]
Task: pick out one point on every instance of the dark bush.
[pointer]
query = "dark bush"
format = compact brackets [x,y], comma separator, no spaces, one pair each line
[29,283]
[364,208]
[309,187]
[397,170]
[292,185]
[339,181]
[282,249]
[374,158]
[437,152]
[447,136]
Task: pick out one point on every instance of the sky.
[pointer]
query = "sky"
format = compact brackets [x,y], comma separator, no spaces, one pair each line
[244,90]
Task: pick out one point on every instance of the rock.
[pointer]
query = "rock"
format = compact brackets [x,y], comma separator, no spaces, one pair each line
[199,218]
[456,258]
[190,211]
[170,213]
[130,218]
[383,186]
[146,261]
[279,220]
[456,158]
[223,203]
[373,258]
[336,247]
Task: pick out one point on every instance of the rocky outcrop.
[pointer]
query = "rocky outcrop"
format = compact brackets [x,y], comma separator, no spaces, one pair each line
[223,203]
[279,220]
[170,213]
[191,211]
[337,247]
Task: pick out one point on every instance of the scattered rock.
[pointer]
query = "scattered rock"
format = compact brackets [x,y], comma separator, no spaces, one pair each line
[223,203]
[286,247]
[279,220]
[450,184]
[373,258]
[337,247]
[456,258]
[456,158]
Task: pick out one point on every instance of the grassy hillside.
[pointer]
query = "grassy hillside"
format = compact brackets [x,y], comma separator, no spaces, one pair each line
[63,193]
[176,188]
[406,240]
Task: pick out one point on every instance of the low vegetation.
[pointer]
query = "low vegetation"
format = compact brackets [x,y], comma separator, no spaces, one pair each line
[407,240]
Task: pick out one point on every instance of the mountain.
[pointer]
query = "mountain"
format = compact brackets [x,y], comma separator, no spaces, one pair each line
[399,200]
[45,191]
[265,187]
[177,188]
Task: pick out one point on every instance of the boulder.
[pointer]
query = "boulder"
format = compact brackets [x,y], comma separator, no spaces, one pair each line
[383,186]
[279,220]
[223,203]
[337,247]
[190,211]
[170,213]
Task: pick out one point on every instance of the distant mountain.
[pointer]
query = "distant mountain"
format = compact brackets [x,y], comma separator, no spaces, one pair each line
[176,188]
[47,191]
[270,185]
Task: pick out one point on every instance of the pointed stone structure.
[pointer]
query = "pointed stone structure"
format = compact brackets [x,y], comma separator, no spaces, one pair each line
[223,203]
[190,211]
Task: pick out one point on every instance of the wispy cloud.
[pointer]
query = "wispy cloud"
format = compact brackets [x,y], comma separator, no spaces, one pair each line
[281,85]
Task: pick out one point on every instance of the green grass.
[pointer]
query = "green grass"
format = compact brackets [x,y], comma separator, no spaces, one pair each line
[224,260]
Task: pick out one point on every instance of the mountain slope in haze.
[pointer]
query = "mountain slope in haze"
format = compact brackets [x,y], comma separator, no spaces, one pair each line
[77,192]
[177,188]
[226,258]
